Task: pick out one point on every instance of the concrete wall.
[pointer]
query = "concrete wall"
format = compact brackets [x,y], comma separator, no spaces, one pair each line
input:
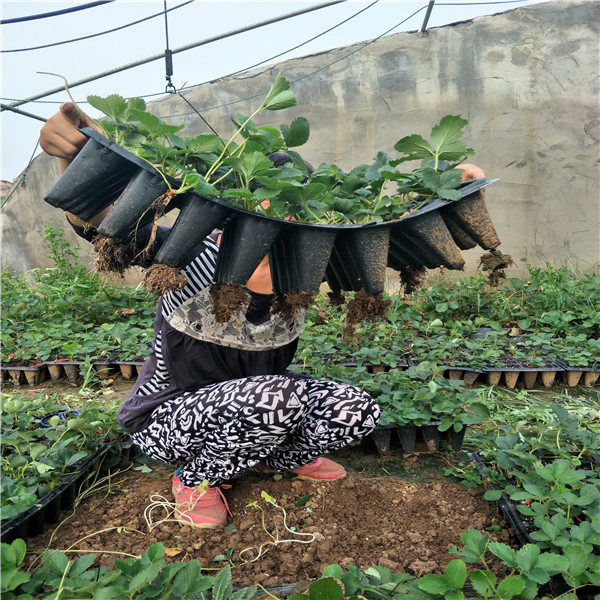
[527,81]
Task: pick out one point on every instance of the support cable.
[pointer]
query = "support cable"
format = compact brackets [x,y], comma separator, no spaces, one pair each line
[22,112]
[337,60]
[242,70]
[54,13]
[93,35]
[180,49]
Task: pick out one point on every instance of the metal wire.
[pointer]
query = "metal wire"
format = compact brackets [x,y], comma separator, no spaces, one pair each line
[93,35]
[54,13]
[22,179]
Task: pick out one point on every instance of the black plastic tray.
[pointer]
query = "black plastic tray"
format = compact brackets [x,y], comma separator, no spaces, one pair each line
[31,521]
[350,257]
[407,436]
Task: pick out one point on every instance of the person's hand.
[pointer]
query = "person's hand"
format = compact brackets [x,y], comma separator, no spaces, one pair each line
[470,172]
[59,136]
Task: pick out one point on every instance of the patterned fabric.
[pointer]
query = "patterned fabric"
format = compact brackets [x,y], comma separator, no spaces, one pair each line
[195,318]
[283,422]
[160,378]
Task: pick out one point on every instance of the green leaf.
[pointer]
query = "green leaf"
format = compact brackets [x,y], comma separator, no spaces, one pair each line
[483,581]
[510,587]
[325,589]
[334,571]
[144,577]
[304,499]
[526,556]
[279,95]
[456,574]
[434,584]
[505,553]
[113,106]
[297,133]
[222,587]
[493,495]
[415,147]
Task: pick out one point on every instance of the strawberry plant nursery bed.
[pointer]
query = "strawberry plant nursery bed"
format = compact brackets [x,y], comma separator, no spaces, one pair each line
[405,524]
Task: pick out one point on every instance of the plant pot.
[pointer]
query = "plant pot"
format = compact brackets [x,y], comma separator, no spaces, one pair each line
[381,437]
[455,374]
[31,522]
[471,216]
[199,216]
[92,182]
[590,378]
[55,371]
[407,435]
[461,238]
[548,378]
[430,234]
[35,375]
[71,370]
[127,371]
[457,437]
[245,242]
[359,259]
[103,370]
[375,369]
[299,257]
[469,377]
[134,206]
[529,378]
[510,379]
[572,378]
[16,375]
[432,435]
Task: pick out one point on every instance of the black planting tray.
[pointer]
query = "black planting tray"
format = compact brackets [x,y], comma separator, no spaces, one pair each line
[31,521]
[407,435]
[349,257]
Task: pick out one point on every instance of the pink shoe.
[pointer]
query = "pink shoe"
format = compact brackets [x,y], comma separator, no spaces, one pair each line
[320,469]
[203,508]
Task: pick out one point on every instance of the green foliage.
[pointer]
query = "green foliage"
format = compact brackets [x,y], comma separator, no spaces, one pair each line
[242,174]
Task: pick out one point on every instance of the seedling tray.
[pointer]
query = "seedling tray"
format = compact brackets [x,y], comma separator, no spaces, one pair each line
[349,257]
[69,367]
[31,374]
[408,435]
[31,521]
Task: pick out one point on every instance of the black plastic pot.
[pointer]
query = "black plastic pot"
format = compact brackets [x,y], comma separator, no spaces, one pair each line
[93,181]
[359,259]
[471,217]
[382,438]
[429,233]
[31,522]
[198,217]
[431,434]
[245,242]
[133,208]
[32,374]
[407,434]
[299,257]
[457,437]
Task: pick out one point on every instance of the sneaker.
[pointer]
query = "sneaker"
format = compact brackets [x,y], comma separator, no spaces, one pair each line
[321,469]
[200,507]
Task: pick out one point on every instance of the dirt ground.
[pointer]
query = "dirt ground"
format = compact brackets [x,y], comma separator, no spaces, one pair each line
[365,519]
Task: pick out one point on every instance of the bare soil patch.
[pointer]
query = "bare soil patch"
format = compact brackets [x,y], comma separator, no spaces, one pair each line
[404,525]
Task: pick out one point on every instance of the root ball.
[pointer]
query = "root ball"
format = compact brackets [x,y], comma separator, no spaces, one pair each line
[112,255]
[288,305]
[227,299]
[161,278]
[412,278]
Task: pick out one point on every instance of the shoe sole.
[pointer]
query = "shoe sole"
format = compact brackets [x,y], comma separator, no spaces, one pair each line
[307,478]
[201,525]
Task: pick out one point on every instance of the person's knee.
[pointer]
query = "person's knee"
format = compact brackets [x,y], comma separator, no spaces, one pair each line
[365,406]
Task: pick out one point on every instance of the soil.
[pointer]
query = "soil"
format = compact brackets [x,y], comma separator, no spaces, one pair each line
[412,278]
[227,298]
[288,305]
[336,298]
[495,262]
[160,279]
[364,307]
[112,255]
[361,520]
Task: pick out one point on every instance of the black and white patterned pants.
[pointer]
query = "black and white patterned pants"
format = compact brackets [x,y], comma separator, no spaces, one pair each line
[282,422]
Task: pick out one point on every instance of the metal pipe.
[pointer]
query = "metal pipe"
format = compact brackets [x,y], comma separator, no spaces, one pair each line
[22,112]
[427,15]
[143,61]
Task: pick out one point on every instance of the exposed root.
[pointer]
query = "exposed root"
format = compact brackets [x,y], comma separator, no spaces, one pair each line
[158,206]
[495,262]
[161,278]
[289,305]
[336,298]
[227,299]
[412,278]
[365,307]
[113,255]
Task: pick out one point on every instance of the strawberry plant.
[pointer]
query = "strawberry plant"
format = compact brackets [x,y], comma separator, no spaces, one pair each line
[239,169]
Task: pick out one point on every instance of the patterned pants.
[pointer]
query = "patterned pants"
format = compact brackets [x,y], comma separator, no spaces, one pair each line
[283,422]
